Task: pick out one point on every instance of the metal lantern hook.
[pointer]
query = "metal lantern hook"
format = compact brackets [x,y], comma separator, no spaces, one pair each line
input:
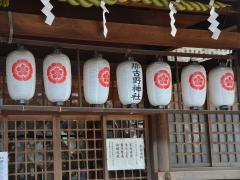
[57,51]
[229,63]
[127,54]
[192,61]
[159,58]
[95,53]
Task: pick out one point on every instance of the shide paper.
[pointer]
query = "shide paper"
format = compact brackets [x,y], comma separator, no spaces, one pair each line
[214,23]
[47,12]
[105,10]
[172,12]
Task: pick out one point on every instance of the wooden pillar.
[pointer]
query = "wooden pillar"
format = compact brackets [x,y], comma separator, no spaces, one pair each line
[159,144]
[5,133]
[237,64]
[57,148]
[153,146]
[163,143]
[104,130]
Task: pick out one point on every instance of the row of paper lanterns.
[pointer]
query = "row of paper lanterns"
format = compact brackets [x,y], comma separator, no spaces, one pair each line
[21,81]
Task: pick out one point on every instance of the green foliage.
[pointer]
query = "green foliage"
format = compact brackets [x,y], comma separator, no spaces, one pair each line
[4,3]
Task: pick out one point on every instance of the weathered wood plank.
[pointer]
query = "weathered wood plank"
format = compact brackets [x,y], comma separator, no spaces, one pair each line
[86,30]
[200,175]
[111,49]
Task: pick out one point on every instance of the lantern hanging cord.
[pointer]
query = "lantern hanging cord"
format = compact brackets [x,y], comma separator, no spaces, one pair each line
[127,54]
[229,63]
[10,21]
[105,10]
[159,58]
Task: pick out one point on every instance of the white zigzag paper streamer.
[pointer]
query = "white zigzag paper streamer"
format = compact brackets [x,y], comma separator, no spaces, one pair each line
[214,23]
[47,12]
[105,10]
[172,12]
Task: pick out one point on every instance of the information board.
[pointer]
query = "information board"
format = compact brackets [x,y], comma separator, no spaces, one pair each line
[3,166]
[125,154]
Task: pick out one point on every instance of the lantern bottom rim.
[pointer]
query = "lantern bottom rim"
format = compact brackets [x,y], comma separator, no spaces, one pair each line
[21,102]
[161,107]
[132,106]
[59,103]
[224,107]
[194,108]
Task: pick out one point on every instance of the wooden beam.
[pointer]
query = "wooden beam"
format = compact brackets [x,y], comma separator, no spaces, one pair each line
[111,49]
[199,175]
[86,30]
[28,109]
[233,28]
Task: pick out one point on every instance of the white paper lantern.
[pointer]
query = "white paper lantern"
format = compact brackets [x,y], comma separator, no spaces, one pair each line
[193,83]
[130,82]
[21,75]
[96,80]
[222,87]
[57,77]
[159,84]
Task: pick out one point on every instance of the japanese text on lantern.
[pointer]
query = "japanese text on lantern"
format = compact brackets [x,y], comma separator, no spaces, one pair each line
[136,88]
[124,154]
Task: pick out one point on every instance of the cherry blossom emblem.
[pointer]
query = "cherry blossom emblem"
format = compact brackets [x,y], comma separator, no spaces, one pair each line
[56,73]
[197,80]
[104,76]
[22,70]
[162,79]
[227,81]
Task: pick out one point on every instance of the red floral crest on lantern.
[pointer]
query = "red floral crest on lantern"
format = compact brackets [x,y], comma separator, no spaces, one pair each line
[162,79]
[22,70]
[104,76]
[227,81]
[56,73]
[197,80]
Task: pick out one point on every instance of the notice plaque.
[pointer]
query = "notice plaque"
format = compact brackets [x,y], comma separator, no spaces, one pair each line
[3,166]
[125,154]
